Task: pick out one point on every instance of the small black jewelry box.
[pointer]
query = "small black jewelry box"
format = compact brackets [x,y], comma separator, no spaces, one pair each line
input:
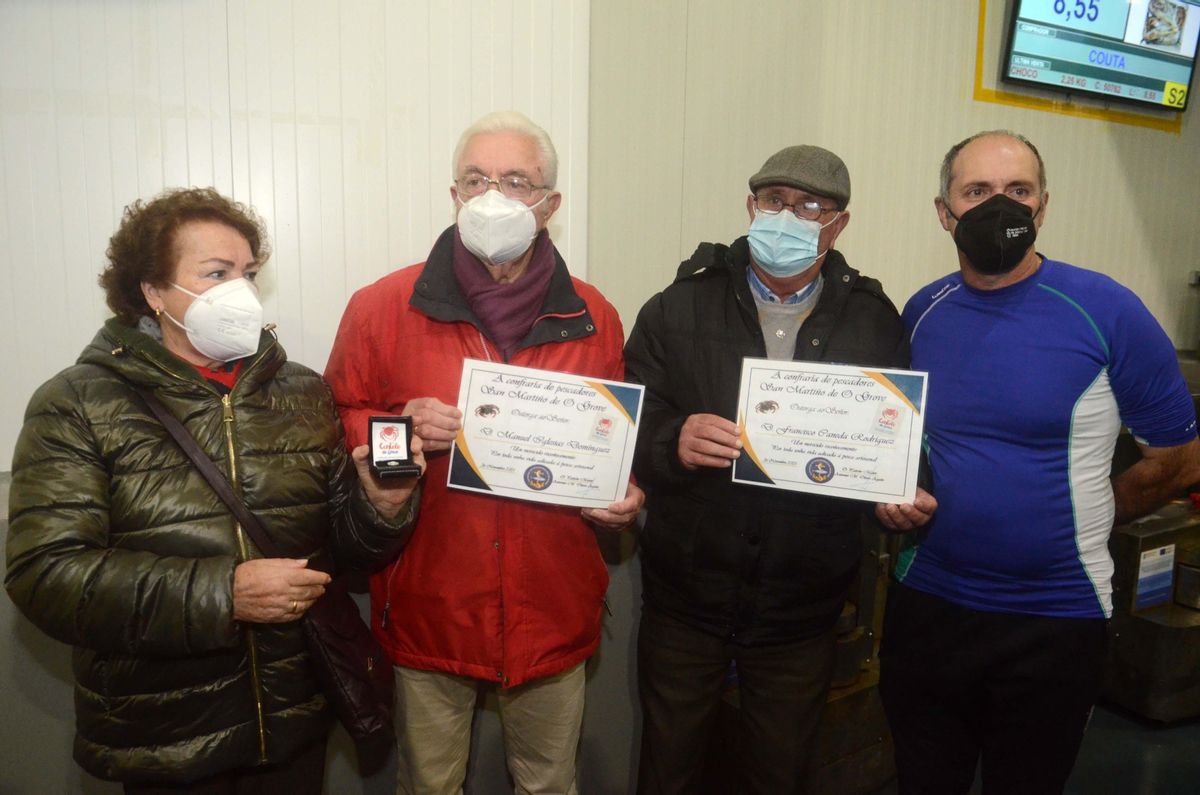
[391,456]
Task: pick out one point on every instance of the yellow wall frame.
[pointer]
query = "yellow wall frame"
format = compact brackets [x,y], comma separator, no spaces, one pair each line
[1172,124]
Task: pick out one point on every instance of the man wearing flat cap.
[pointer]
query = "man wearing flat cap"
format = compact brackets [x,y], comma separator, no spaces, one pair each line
[733,573]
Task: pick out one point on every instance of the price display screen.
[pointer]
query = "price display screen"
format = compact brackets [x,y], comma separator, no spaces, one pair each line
[1139,51]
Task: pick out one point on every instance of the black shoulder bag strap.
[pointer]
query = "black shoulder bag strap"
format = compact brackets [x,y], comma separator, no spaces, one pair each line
[351,666]
[250,523]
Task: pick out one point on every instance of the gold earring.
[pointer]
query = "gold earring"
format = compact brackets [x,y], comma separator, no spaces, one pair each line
[158,314]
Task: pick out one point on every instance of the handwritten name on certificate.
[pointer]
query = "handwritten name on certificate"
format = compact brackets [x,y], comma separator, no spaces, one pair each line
[837,430]
[544,436]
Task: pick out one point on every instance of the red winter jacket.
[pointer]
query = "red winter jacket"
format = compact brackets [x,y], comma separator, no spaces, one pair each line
[490,588]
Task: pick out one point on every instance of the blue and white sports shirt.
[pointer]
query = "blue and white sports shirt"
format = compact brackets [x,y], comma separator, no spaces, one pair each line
[1028,388]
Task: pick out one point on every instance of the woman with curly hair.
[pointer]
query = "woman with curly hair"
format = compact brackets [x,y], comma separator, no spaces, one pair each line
[192,673]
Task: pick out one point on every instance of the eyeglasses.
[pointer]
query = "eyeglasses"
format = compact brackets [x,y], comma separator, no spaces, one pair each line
[808,210]
[514,186]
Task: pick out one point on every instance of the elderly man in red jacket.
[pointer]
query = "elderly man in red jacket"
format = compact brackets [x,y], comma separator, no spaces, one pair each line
[489,590]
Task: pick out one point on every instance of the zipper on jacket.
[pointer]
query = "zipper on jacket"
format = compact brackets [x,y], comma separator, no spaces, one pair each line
[483,344]
[251,647]
[227,422]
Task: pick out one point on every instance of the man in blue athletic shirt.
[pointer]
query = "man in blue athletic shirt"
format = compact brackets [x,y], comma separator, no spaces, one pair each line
[994,635]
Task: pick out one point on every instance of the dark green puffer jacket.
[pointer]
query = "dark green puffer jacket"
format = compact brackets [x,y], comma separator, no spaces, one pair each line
[119,547]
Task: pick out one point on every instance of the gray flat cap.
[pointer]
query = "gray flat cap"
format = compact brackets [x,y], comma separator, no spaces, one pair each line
[809,168]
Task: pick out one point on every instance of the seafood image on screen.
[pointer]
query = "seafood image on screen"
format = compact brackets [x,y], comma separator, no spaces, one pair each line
[1164,23]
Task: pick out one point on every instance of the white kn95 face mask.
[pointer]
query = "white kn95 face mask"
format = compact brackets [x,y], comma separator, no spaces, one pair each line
[495,228]
[224,322]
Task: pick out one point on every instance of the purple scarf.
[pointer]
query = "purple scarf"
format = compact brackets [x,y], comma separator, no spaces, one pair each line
[507,311]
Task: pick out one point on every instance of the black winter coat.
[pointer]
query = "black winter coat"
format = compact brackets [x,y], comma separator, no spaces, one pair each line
[753,565]
[119,547]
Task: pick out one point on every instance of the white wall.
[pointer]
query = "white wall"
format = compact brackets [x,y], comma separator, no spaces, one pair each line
[689,97]
[335,120]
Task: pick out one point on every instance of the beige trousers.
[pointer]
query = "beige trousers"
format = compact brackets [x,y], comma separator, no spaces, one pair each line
[541,721]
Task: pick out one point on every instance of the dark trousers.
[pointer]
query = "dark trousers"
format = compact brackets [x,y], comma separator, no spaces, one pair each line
[302,775]
[961,686]
[681,673]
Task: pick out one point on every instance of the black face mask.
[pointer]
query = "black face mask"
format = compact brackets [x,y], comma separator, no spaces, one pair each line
[995,234]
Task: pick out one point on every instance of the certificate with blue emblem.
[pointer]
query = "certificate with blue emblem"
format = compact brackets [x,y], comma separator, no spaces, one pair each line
[837,430]
[544,436]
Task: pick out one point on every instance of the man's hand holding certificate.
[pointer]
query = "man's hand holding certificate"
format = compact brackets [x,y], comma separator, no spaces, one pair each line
[544,436]
[837,430]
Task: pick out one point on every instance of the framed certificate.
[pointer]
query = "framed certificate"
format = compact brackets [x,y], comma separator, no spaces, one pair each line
[837,430]
[544,436]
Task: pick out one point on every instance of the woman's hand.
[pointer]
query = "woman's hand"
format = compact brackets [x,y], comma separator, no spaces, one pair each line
[388,495]
[620,514]
[275,590]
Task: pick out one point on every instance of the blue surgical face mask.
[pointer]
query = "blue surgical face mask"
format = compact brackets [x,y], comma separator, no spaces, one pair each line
[784,245]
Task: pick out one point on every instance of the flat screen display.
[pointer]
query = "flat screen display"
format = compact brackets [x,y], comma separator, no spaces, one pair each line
[1135,51]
